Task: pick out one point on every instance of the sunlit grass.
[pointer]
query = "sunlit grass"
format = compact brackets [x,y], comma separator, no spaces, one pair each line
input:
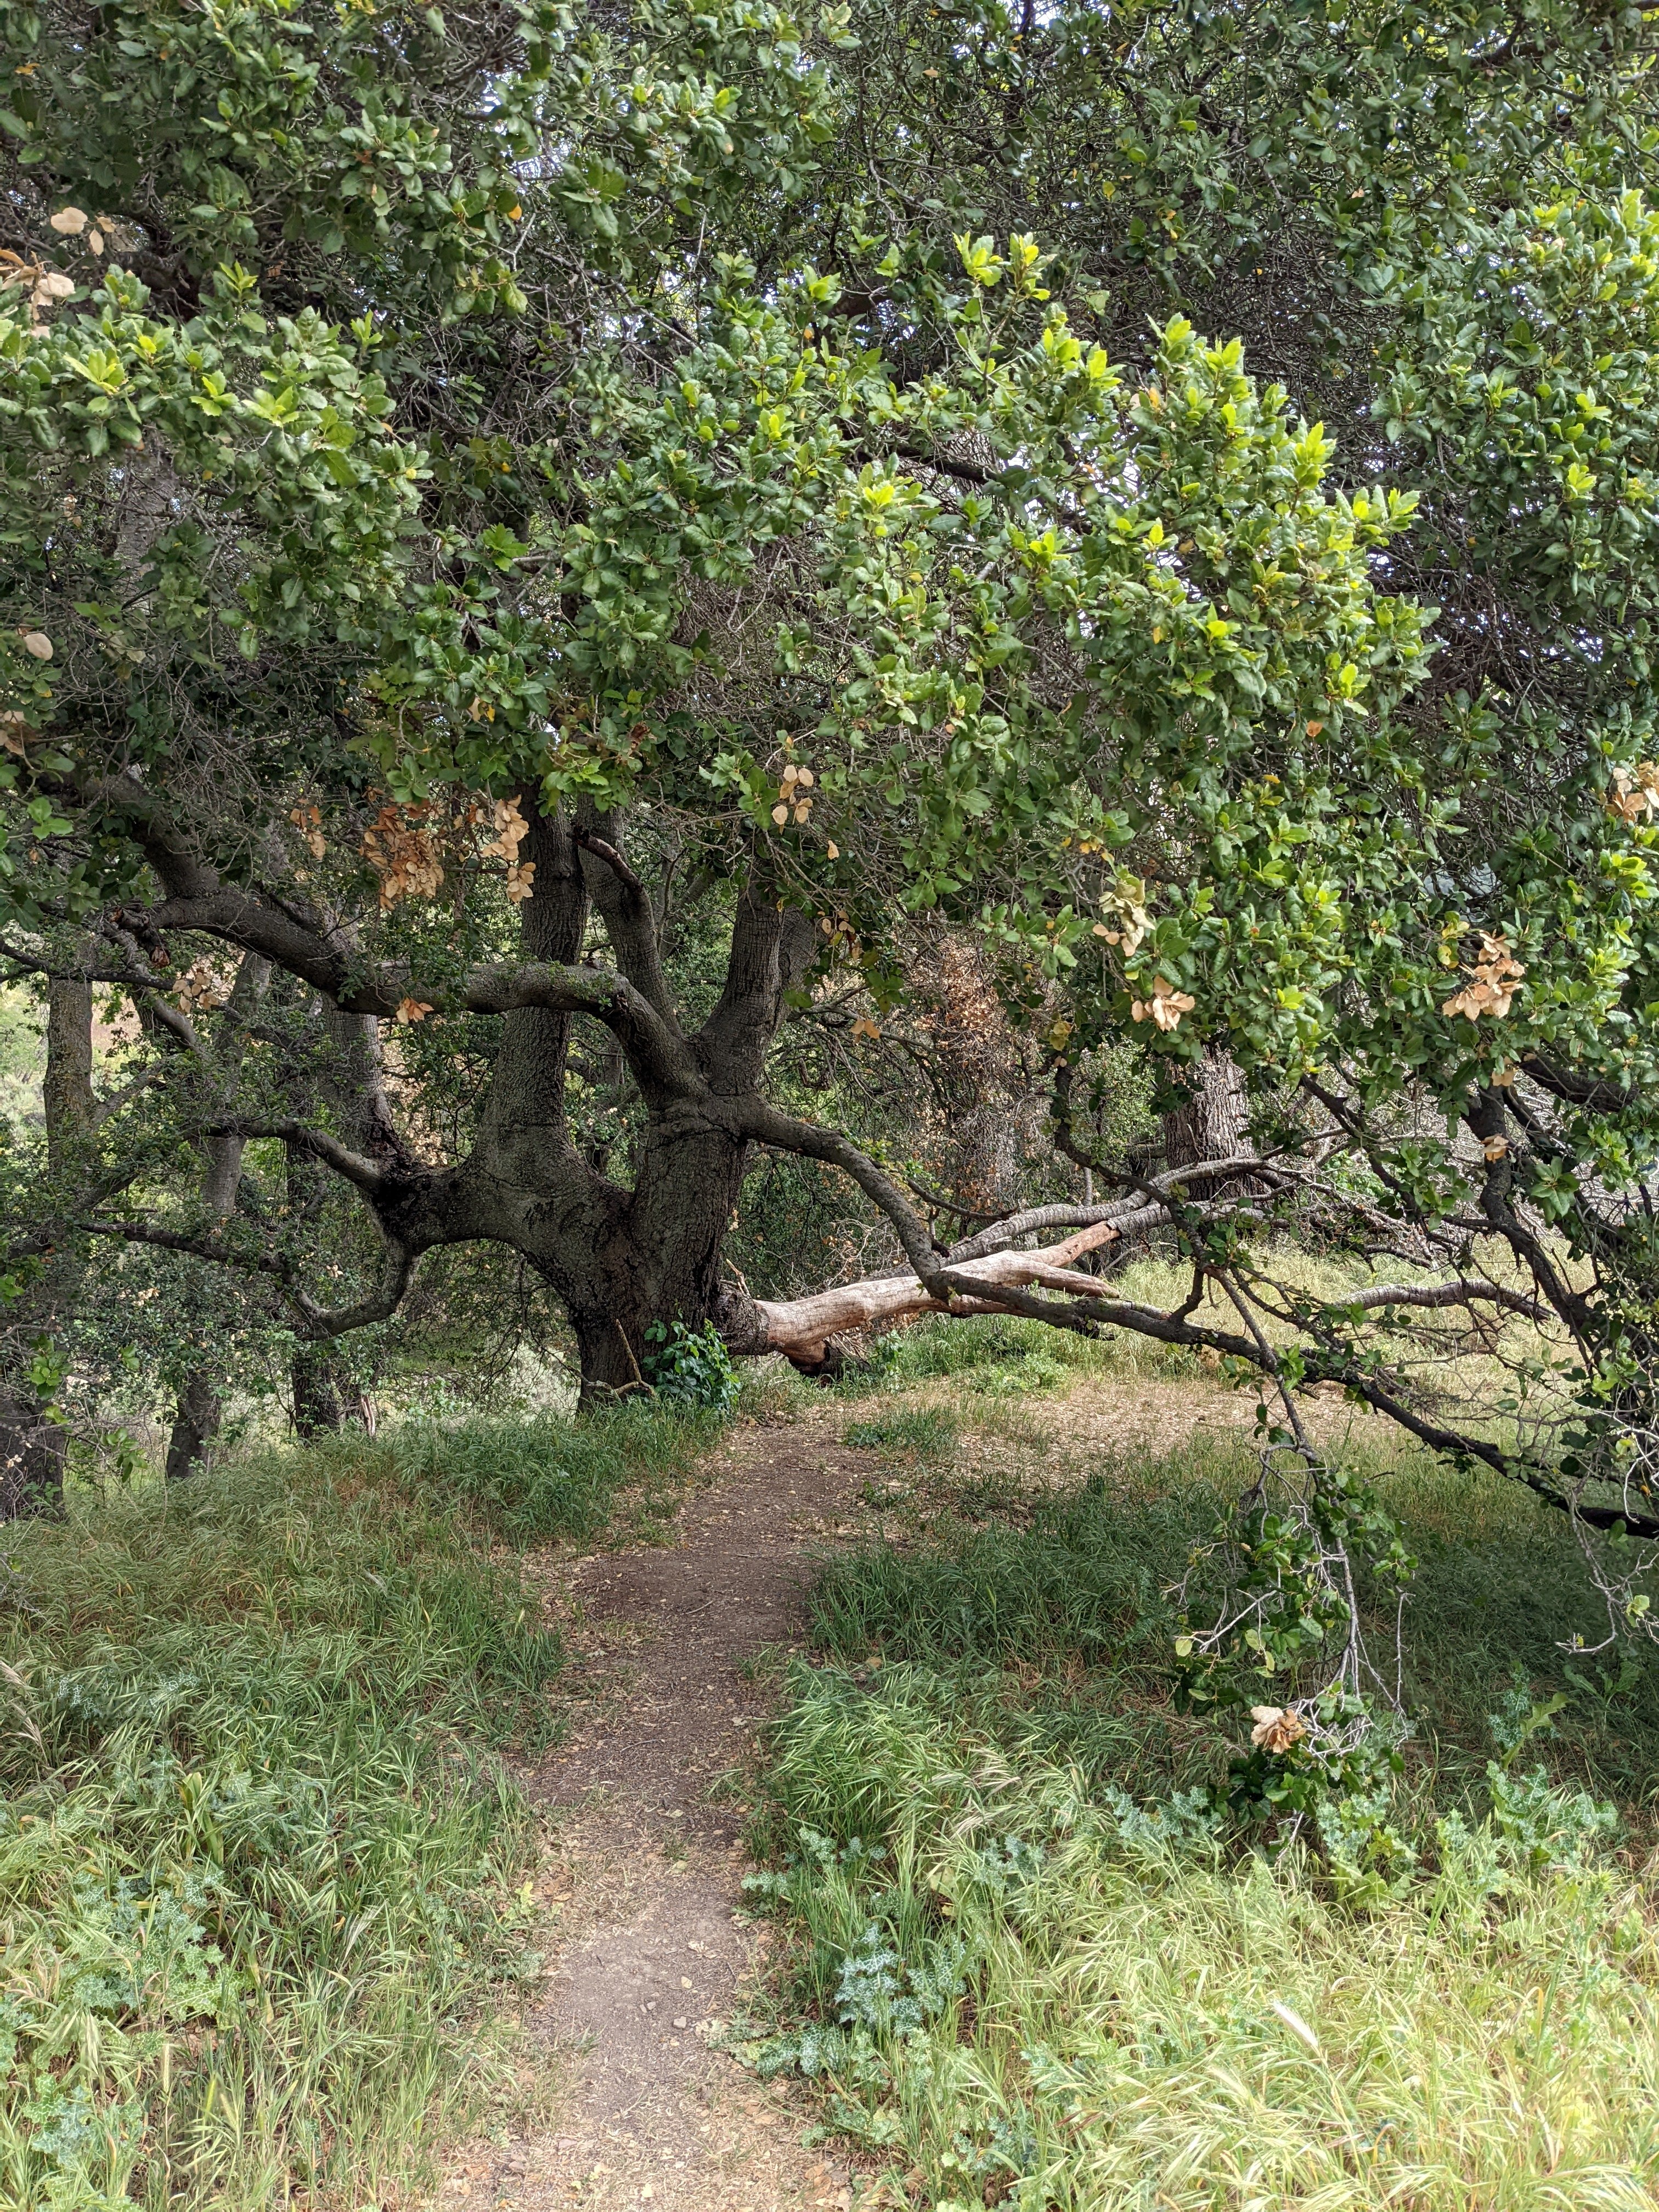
[555,1474]
[1022,1999]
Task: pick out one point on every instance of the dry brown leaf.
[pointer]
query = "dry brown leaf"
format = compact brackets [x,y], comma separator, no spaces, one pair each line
[1278,1728]
[1165,1006]
[1493,981]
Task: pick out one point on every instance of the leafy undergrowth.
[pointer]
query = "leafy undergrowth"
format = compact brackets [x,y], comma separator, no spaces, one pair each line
[1035,1964]
[261,1875]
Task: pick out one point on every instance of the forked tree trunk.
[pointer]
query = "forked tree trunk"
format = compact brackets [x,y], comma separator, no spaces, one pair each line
[619,1258]
[659,1261]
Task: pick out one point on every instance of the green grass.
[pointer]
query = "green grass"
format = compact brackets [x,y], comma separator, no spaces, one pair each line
[1082,1581]
[261,1879]
[1019,1990]
[993,1349]
[910,1432]
[554,1476]
[1073,1587]
[1029,1969]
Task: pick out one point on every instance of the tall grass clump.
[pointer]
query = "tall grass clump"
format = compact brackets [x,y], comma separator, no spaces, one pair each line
[1022,1988]
[555,1475]
[999,1355]
[1050,1953]
[260,1877]
[1084,1580]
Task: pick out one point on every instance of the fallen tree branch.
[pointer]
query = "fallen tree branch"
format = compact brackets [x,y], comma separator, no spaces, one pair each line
[801,1328]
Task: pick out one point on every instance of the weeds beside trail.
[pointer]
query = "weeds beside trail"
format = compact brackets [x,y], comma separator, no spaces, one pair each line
[262,1875]
[1022,1990]
[551,1476]
[1035,1961]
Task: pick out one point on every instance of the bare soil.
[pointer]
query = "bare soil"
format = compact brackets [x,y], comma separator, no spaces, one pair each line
[652,1944]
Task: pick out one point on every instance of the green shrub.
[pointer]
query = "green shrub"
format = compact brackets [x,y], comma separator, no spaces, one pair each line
[690,1366]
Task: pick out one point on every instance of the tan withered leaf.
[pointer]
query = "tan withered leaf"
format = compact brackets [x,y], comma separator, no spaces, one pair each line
[1493,981]
[1165,1007]
[1277,1728]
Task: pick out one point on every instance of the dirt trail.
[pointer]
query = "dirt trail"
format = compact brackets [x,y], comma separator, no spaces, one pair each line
[650,1957]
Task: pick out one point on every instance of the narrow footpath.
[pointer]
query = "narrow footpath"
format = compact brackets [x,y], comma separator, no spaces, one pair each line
[650,1942]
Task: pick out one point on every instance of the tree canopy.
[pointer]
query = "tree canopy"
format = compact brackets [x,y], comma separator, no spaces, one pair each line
[563,539]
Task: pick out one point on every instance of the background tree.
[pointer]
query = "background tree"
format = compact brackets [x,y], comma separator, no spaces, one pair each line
[563,537]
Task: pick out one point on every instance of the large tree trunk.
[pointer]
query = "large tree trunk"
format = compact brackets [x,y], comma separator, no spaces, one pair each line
[67,1096]
[32,1455]
[1215,1121]
[196,1423]
[621,1260]
[33,1448]
[658,1258]
[200,1407]
[315,1383]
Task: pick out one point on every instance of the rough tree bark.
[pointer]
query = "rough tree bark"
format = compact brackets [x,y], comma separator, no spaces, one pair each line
[1215,1121]
[196,1423]
[33,1448]
[199,1412]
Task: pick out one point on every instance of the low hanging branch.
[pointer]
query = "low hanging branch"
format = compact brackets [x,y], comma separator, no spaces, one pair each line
[978,1275]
